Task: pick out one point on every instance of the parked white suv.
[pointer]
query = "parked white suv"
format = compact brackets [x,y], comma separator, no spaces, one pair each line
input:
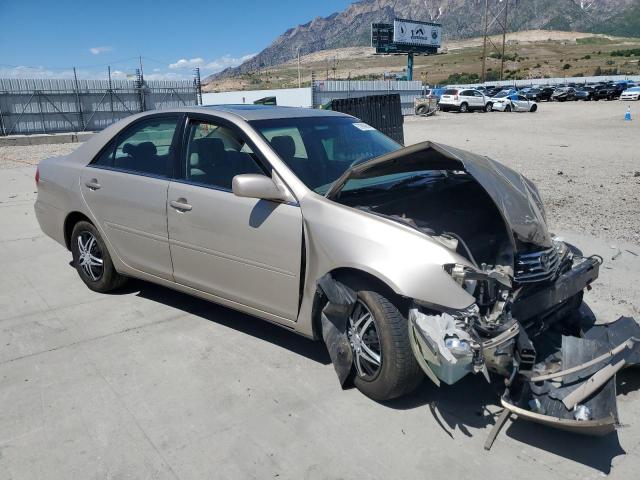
[463,101]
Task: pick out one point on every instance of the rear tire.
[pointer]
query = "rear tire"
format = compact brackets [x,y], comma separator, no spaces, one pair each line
[398,372]
[92,260]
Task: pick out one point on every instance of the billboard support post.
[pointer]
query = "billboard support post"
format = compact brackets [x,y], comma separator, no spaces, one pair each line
[410,66]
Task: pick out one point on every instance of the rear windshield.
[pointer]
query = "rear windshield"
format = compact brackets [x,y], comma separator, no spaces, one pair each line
[451,91]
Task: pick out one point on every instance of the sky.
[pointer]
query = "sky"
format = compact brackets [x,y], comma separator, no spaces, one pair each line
[46,38]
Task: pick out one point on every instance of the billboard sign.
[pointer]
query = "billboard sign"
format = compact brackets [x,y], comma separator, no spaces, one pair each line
[420,34]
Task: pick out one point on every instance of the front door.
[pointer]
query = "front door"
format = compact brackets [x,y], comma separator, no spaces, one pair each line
[521,103]
[125,188]
[244,250]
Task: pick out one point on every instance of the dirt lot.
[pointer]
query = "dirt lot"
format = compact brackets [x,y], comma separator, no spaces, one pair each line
[150,383]
[585,160]
[583,156]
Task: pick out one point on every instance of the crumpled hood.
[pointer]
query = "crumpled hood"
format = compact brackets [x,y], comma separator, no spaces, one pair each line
[515,196]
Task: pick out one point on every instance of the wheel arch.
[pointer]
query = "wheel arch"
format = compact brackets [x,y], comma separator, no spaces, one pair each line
[69,222]
[356,279]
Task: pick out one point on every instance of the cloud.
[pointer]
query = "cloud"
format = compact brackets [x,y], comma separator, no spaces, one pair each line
[99,50]
[22,71]
[179,70]
[211,66]
[184,63]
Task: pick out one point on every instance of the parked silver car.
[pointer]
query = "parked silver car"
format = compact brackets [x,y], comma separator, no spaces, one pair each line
[514,103]
[405,261]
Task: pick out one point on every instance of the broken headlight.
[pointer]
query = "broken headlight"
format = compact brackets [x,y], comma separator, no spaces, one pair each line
[460,273]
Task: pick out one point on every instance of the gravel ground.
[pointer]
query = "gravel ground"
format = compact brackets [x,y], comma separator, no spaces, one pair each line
[11,157]
[583,156]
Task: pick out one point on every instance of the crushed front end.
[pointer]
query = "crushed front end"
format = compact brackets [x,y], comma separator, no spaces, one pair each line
[527,285]
[524,332]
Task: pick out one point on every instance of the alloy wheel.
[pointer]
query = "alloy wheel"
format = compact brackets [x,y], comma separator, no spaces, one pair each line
[90,255]
[365,342]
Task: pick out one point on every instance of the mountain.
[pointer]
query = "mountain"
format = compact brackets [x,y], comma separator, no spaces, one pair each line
[460,19]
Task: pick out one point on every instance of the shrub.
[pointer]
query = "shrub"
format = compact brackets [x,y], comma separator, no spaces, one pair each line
[462,78]
[566,66]
[634,52]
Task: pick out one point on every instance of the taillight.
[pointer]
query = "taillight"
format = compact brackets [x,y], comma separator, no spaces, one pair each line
[37,176]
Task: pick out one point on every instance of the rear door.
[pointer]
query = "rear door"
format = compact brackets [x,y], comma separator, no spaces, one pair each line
[125,188]
[468,97]
[244,250]
[479,99]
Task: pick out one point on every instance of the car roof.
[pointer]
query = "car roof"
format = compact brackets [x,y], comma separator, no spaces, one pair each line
[251,112]
[267,112]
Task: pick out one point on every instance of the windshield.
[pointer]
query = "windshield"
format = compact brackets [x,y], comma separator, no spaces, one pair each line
[320,149]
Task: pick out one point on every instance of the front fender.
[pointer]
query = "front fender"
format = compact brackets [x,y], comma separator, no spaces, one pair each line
[406,260]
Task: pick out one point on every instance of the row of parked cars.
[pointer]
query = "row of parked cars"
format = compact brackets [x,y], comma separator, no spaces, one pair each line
[525,99]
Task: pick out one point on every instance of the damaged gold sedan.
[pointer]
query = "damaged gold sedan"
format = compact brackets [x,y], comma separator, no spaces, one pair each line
[522,326]
[425,260]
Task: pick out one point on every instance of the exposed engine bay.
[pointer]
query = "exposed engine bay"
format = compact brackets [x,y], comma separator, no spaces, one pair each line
[523,327]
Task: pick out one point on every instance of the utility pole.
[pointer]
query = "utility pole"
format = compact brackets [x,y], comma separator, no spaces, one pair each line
[504,37]
[198,87]
[141,70]
[140,79]
[110,94]
[299,77]
[484,43]
[80,116]
[501,18]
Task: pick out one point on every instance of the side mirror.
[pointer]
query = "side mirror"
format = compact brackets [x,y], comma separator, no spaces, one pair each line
[251,185]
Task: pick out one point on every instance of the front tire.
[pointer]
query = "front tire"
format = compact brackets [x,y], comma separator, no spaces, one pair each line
[92,260]
[507,108]
[534,108]
[385,367]
[464,108]
[488,107]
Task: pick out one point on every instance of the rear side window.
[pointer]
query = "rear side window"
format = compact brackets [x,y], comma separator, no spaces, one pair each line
[146,147]
[451,92]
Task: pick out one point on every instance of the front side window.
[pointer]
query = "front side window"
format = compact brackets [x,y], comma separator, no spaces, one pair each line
[214,154]
[320,149]
[143,148]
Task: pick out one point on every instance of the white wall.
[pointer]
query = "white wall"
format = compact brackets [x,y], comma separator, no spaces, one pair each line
[286,97]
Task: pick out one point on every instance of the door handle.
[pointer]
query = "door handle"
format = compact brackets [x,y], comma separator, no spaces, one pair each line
[180,205]
[93,184]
